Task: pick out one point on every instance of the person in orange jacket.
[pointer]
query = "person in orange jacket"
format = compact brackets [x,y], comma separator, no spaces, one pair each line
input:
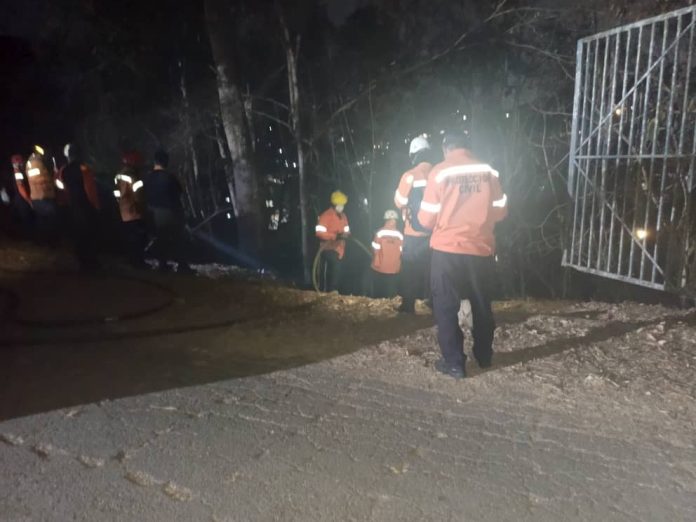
[332,231]
[463,201]
[42,189]
[79,187]
[387,246]
[20,178]
[22,201]
[416,259]
[128,193]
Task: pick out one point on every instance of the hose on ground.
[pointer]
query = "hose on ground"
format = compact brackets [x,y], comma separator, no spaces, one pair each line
[317,258]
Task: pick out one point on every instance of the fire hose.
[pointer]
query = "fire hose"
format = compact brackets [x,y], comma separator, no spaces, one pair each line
[317,259]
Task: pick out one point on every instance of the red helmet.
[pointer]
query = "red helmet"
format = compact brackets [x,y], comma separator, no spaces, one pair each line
[133,159]
[17,159]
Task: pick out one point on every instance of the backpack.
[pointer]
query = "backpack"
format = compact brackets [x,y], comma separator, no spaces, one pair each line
[415,198]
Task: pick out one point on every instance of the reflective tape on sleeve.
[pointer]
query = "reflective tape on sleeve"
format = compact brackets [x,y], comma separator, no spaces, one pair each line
[137,185]
[346,229]
[117,193]
[400,199]
[59,184]
[420,183]
[501,203]
[376,246]
[321,228]
[433,208]
[33,172]
[409,179]
[19,176]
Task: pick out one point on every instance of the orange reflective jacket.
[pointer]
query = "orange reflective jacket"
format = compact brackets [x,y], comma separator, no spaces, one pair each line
[462,203]
[331,225]
[127,193]
[387,246]
[417,177]
[41,181]
[21,182]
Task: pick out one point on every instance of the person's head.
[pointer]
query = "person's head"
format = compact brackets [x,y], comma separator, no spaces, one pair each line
[419,150]
[391,216]
[17,161]
[338,201]
[455,140]
[71,152]
[161,159]
[132,159]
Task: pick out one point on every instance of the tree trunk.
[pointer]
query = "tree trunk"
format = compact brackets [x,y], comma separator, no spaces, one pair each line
[190,143]
[247,207]
[291,55]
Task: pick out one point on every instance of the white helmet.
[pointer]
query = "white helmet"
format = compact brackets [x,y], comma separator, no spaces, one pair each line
[418,144]
[391,214]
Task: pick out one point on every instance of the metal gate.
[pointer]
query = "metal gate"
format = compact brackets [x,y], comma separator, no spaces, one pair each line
[633,144]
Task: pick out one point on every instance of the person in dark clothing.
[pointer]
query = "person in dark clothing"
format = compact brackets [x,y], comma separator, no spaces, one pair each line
[79,185]
[166,214]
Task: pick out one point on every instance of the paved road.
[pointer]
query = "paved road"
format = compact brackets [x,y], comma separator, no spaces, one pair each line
[319,443]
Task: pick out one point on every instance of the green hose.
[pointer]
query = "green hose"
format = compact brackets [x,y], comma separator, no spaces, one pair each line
[315,264]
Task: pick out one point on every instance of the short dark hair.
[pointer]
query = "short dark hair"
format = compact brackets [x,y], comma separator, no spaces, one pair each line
[162,158]
[455,140]
[426,155]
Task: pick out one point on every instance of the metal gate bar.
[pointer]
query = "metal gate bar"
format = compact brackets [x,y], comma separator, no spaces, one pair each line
[631,174]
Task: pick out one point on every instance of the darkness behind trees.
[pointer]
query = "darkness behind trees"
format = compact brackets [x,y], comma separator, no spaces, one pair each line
[119,74]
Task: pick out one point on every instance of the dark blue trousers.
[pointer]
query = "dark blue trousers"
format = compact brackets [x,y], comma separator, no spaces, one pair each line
[453,278]
[415,262]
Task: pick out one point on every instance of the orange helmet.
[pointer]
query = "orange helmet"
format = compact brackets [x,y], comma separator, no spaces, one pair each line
[17,160]
[132,158]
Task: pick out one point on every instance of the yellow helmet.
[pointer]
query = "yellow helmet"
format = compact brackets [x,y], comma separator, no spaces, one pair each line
[338,198]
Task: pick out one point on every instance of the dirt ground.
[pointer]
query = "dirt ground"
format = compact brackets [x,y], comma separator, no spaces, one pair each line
[226,398]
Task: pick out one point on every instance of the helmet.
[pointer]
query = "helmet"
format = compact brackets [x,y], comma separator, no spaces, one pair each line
[418,144]
[391,214]
[71,151]
[17,159]
[132,158]
[338,198]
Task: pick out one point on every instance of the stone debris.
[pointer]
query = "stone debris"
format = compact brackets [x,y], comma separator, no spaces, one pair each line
[11,439]
[143,479]
[177,492]
[91,462]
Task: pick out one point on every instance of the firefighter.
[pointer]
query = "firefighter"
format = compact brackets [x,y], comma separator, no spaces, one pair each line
[463,201]
[128,193]
[43,187]
[163,192]
[332,231]
[416,258]
[387,246]
[21,203]
[79,187]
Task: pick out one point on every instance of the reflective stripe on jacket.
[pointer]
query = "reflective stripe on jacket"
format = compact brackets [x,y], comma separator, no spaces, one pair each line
[462,203]
[329,226]
[21,182]
[41,182]
[414,178]
[387,246]
[89,184]
[127,193]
